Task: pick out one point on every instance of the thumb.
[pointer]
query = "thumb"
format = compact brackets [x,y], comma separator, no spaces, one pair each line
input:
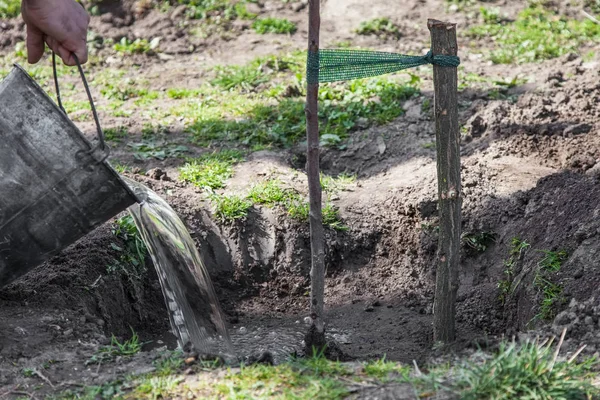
[35,44]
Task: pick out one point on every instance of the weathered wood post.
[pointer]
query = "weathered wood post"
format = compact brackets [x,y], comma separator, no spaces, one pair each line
[443,41]
[315,337]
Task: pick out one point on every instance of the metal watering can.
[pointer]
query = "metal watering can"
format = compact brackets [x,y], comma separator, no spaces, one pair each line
[55,186]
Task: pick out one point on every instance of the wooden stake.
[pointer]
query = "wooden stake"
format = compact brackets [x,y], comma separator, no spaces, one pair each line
[443,41]
[315,337]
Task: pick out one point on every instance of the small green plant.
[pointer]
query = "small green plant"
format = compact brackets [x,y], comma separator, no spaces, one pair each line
[210,171]
[170,364]
[115,134]
[477,242]
[386,371]
[155,148]
[551,292]
[517,248]
[133,253]
[271,193]
[157,387]
[274,25]
[332,185]
[527,372]
[28,372]
[138,46]
[10,8]
[381,27]
[536,34]
[229,209]
[127,348]
[181,93]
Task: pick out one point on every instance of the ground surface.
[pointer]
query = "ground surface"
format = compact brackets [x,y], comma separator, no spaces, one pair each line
[531,177]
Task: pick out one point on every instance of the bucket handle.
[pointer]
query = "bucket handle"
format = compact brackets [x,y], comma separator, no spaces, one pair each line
[101,143]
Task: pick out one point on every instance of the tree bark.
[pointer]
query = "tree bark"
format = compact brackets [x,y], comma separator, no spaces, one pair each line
[443,41]
[315,337]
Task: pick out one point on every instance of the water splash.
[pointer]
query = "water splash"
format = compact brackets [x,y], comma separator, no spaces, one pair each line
[194,312]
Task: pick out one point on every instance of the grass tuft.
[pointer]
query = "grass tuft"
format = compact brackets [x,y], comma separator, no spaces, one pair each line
[526,372]
[536,34]
[381,27]
[274,25]
[210,171]
[229,209]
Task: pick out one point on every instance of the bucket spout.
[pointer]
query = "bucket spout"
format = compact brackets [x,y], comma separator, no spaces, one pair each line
[55,187]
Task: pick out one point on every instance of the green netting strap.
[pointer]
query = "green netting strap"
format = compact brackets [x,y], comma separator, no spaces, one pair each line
[331,65]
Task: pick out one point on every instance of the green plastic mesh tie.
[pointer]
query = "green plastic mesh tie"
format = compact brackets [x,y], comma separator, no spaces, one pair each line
[331,65]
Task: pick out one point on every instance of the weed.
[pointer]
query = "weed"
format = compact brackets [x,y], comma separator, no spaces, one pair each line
[274,25]
[175,93]
[524,372]
[552,260]
[210,171]
[128,348]
[256,119]
[386,371]
[132,257]
[10,8]
[152,148]
[138,46]
[517,248]
[271,193]
[551,292]
[257,72]
[229,209]
[215,10]
[331,185]
[158,387]
[536,34]
[478,242]
[115,134]
[28,372]
[169,365]
[381,27]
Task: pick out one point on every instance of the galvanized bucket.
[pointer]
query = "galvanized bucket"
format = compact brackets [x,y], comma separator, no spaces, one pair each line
[55,186]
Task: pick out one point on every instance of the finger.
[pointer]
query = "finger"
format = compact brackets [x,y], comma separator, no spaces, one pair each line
[35,44]
[64,53]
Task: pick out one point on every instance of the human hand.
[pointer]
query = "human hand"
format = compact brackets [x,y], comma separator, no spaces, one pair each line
[62,24]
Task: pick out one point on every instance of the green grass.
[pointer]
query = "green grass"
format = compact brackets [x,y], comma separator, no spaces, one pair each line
[10,8]
[274,25]
[536,34]
[282,123]
[216,11]
[229,209]
[552,293]
[381,27]
[333,185]
[271,193]
[156,148]
[517,249]
[527,372]
[311,378]
[477,242]
[115,134]
[386,371]
[210,171]
[131,260]
[127,348]
[138,46]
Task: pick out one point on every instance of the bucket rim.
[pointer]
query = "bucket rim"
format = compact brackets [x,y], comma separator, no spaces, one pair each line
[17,68]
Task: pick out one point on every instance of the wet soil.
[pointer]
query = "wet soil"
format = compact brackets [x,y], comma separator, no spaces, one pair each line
[530,167]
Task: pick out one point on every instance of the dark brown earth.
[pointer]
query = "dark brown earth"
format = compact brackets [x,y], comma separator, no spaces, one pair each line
[531,169]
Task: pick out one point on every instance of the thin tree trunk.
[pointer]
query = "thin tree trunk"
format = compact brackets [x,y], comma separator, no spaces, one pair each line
[443,41]
[315,337]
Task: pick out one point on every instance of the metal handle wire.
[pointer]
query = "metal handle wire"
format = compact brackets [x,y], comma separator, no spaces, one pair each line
[101,142]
